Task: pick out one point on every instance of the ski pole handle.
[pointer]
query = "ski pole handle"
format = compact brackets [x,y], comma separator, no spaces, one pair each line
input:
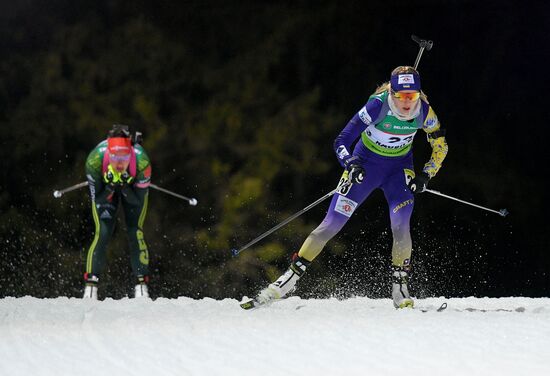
[59,193]
[424,45]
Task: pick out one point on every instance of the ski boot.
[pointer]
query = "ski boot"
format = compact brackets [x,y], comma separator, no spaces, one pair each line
[90,288]
[282,286]
[141,290]
[400,289]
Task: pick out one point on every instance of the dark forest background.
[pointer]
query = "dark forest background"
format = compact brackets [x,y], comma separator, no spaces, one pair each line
[239,104]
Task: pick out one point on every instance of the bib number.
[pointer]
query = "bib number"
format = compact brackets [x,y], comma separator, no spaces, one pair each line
[409,175]
[344,185]
[404,140]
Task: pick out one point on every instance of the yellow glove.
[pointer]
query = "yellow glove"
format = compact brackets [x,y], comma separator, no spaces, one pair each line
[125,178]
[113,178]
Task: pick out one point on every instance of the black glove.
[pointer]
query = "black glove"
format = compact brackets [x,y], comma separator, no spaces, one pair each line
[419,183]
[356,173]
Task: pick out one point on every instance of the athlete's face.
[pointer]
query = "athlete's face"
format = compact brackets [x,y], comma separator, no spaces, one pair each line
[405,100]
[119,162]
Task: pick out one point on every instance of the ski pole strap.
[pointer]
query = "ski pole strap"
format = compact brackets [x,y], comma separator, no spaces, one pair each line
[501,212]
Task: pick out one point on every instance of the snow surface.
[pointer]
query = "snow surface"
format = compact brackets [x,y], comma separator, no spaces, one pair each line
[358,336]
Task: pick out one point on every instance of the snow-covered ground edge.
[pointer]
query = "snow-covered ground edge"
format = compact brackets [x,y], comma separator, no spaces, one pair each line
[473,336]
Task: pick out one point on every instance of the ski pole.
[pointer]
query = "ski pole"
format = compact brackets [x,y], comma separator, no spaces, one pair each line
[501,212]
[192,201]
[59,193]
[235,251]
[424,45]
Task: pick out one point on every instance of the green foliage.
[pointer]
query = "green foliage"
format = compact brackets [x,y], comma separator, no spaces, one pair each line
[239,105]
[216,125]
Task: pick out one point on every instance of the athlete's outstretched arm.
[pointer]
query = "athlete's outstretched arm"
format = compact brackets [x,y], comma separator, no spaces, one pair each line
[436,138]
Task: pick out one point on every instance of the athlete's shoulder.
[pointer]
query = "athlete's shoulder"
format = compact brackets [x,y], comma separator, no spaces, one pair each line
[142,158]
[140,152]
[143,164]
[370,111]
[431,122]
[379,97]
[95,158]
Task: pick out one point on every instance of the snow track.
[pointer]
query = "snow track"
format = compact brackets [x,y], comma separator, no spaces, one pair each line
[473,336]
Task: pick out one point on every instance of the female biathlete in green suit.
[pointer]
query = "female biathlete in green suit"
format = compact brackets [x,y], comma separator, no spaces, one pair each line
[118,171]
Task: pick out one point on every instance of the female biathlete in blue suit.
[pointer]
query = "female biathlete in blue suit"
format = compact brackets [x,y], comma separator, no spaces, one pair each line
[382,158]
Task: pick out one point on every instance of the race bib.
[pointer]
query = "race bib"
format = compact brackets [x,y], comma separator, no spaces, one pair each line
[345,206]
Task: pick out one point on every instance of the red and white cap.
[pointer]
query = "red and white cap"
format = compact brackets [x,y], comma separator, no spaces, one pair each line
[119,146]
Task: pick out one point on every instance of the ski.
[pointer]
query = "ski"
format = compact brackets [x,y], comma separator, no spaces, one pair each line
[483,310]
[444,306]
[250,304]
[255,303]
[441,308]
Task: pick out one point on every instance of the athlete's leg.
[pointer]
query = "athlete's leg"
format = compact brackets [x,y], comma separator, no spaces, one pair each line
[139,253]
[341,208]
[339,212]
[401,203]
[104,216]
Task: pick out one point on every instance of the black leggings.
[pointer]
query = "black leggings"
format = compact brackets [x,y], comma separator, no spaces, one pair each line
[105,218]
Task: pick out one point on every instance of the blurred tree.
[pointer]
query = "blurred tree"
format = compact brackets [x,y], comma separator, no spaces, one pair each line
[239,104]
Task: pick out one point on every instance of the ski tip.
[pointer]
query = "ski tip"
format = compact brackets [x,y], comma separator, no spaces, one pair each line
[248,305]
[431,308]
